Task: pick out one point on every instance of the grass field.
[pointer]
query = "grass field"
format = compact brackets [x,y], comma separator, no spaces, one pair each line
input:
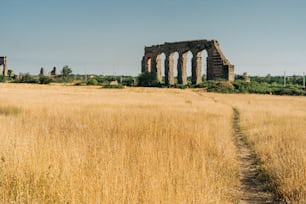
[89,145]
[276,129]
[64,144]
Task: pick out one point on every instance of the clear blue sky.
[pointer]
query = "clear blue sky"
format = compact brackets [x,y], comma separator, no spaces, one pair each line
[108,36]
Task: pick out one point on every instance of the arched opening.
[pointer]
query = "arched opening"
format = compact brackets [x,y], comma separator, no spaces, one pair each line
[160,66]
[175,67]
[204,65]
[1,69]
[163,58]
[149,64]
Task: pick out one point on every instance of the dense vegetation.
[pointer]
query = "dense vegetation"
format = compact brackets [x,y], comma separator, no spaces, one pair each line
[260,85]
[276,85]
[253,87]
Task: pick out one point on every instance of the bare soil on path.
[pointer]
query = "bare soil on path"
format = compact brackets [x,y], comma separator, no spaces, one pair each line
[253,189]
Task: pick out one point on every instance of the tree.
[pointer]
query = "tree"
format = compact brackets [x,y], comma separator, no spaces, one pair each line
[66,71]
[10,72]
[148,79]
[44,79]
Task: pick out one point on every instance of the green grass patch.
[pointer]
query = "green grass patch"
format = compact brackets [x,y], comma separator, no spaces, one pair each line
[115,86]
[9,110]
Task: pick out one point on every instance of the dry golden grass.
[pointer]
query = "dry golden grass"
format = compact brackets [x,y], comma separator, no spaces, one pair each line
[275,126]
[89,145]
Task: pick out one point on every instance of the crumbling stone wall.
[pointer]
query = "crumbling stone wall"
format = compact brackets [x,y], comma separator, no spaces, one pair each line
[218,67]
[3,62]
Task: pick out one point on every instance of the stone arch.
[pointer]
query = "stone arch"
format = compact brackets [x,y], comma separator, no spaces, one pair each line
[184,66]
[218,67]
[149,64]
[196,63]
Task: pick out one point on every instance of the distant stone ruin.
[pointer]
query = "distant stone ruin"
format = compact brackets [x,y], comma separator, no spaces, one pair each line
[218,67]
[42,72]
[3,62]
[53,72]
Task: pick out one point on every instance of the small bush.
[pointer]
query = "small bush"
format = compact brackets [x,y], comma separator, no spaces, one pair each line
[2,79]
[128,81]
[181,86]
[44,80]
[27,78]
[93,82]
[80,83]
[148,79]
[117,86]
[201,85]
[220,86]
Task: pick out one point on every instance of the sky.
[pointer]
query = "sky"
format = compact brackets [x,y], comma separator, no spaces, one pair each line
[259,37]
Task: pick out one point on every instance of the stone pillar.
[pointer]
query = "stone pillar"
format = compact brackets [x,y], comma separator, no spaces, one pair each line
[182,68]
[169,67]
[5,67]
[196,64]
[53,72]
[199,68]
[153,65]
[158,69]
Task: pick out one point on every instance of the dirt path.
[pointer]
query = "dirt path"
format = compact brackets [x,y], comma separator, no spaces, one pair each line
[252,189]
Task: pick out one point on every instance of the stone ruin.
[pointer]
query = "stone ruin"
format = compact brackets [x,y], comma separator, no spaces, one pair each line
[53,72]
[42,72]
[218,67]
[3,62]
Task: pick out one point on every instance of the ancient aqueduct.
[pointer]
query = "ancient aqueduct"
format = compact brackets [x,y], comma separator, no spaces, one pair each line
[218,67]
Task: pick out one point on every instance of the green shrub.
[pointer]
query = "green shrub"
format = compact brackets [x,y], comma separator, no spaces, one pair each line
[93,82]
[128,81]
[27,78]
[181,86]
[288,91]
[9,110]
[44,80]
[148,79]
[251,87]
[2,79]
[201,85]
[80,83]
[220,86]
[115,86]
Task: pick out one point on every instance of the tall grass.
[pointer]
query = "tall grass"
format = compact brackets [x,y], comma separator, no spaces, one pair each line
[9,110]
[276,129]
[87,145]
